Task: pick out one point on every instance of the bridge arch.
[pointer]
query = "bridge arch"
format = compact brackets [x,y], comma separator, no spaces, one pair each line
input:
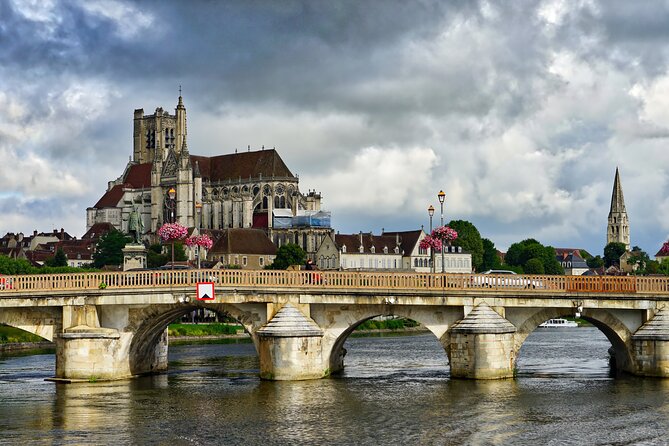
[613,328]
[43,322]
[149,344]
[338,325]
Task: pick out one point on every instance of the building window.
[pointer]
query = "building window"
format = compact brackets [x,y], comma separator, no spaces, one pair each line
[343,249]
[261,261]
[244,261]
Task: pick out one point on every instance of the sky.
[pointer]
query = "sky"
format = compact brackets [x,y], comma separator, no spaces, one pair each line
[520,111]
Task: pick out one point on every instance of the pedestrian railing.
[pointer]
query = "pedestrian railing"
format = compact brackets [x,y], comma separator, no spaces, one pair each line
[258,279]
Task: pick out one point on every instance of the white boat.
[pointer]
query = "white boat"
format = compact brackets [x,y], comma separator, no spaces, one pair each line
[558,323]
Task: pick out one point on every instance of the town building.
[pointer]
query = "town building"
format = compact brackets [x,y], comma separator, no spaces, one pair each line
[164,183]
[618,224]
[663,252]
[245,248]
[571,261]
[392,250]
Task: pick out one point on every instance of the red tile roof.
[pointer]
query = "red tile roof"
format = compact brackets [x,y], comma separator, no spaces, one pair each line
[243,165]
[111,198]
[139,176]
[242,241]
[98,230]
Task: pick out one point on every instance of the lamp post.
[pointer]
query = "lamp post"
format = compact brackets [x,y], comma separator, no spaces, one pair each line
[442,197]
[430,212]
[198,223]
[171,194]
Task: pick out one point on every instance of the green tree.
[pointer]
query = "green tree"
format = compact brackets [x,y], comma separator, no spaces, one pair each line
[109,249]
[490,258]
[158,255]
[652,267]
[12,267]
[595,262]
[470,240]
[60,259]
[519,254]
[663,267]
[288,254]
[612,253]
[638,260]
[534,266]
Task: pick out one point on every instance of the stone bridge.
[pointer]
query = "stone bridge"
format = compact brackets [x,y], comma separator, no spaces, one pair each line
[113,325]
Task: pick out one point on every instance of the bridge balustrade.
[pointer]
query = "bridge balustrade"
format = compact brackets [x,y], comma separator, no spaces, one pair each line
[334,279]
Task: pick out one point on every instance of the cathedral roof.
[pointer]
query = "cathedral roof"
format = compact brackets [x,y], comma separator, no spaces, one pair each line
[265,163]
[139,176]
[111,198]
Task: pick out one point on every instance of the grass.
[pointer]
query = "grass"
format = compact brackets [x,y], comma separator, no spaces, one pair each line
[11,334]
[197,330]
[388,324]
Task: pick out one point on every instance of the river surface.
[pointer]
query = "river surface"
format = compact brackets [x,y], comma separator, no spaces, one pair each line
[395,390]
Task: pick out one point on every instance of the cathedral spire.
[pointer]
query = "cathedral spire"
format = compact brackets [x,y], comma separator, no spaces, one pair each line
[618,227]
[617,198]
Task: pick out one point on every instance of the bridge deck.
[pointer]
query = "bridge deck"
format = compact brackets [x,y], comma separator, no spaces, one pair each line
[309,280]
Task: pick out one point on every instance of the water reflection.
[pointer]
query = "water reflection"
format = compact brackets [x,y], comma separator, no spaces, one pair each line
[393,390]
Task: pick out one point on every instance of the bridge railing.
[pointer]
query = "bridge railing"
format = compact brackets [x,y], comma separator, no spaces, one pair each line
[332,279]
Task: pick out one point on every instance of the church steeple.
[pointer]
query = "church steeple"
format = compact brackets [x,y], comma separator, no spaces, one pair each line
[618,227]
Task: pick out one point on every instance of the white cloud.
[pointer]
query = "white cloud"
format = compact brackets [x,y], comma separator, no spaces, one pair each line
[378,181]
[129,21]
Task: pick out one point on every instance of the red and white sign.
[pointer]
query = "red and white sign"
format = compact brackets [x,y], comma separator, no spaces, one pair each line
[205,290]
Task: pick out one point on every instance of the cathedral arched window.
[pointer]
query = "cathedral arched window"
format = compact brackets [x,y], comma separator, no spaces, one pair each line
[277,202]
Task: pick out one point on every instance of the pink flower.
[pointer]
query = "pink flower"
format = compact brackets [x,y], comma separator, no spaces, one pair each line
[430,242]
[172,231]
[444,234]
[203,241]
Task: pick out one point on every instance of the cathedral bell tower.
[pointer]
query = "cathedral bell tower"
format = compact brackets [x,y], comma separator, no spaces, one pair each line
[618,228]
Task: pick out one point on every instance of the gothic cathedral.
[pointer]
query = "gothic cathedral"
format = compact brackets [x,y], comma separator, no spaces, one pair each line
[165,183]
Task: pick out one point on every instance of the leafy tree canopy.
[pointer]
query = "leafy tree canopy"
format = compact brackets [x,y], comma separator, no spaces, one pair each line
[12,267]
[288,254]
[595,262]
[60,259]
[519,254]
[158,255]
[470,240]
[612,253]
[109,249]
[534,266]
[490,258]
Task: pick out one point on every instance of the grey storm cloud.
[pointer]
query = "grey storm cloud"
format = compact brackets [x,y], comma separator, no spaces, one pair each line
[520,110]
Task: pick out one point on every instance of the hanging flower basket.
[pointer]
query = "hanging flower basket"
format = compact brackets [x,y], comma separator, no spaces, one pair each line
[170,232]
[203,241]
[439,236]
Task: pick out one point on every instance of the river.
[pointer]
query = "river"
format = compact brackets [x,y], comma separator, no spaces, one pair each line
[395,390]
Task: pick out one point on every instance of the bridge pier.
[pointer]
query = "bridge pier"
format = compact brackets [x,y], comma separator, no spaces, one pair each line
[290,347]
[651,346]
[86,351]
[481,346]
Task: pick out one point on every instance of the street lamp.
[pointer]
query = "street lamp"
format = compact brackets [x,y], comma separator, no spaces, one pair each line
[198,223]
[171,194]
[442,197]
[430,212]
